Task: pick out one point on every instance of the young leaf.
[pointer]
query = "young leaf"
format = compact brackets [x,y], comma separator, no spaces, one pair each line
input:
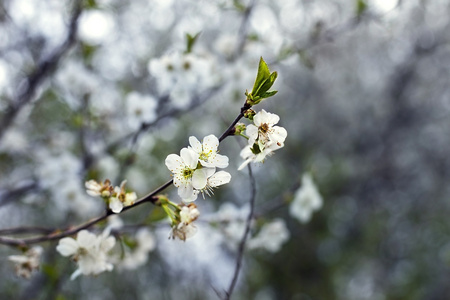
[190,41]
[261,76]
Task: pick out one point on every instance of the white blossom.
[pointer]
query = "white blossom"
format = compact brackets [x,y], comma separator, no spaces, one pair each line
[145,243]
[185,228]
[89,251]
[271,236]
[186,176]
[264,132]
[306,200]
[263,138]
[207,151]
[140,109]
[27,263]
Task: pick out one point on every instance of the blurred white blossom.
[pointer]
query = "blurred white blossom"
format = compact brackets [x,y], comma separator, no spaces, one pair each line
[182,76]
[145,243]
[140,109]
[271,236]
[89,251]
[27,263]
[185,228]
[306,200]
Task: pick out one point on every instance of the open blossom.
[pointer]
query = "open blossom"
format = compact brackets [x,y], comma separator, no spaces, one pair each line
[194,170]
[27,263]
[306,200]
[185,228]
[186,176]
[89,251]
[263,137]
[207,151]
[264,132]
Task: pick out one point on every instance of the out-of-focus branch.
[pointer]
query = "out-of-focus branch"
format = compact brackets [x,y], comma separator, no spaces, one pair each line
[243,241]
[244,28]
[7,196]
[42,71]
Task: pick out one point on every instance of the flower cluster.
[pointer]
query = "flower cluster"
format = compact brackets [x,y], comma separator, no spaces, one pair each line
[89,251]
[27,263]
[183,227]
[116,197]
[306,200]
[194,170]
[263,138]
[182,75]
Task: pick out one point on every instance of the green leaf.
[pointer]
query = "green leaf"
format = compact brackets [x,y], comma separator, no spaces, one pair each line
[361,7]
[261,76]
[190,41]
[267,84]
[269,94]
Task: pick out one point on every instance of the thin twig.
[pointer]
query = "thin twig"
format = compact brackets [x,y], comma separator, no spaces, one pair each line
[241,248]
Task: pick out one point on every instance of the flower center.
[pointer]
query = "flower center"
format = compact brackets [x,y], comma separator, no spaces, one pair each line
[264,128]
[187,173]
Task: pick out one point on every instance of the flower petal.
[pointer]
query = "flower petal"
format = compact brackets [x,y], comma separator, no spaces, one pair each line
[219,178]
[115,205]
[199,179]
[174,163]
[195,144]
[185,190]
[210,144]
[190,157]
[86,239]
[67,246]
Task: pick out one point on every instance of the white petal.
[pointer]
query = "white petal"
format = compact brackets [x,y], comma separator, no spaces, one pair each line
[221,161]
[199,179]
[75,274]
[210,143]
[259,118]
[278,135]
[244,164]
[185,190]
[192,198]
[195,144]
[252,132]
[115,205]
[67,246]
[271,119]
[190,158]
[86,239]
[246,152]
[219,178]
[174,163]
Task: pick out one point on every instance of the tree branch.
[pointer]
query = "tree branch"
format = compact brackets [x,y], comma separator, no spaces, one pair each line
[241,248]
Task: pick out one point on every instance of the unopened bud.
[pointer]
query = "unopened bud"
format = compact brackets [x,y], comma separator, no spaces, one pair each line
[249,114]
[239,129]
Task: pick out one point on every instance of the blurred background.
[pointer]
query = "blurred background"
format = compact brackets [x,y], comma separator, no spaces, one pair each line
[99,89]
